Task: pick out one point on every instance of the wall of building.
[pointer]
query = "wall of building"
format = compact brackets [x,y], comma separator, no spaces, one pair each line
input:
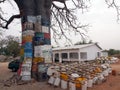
[92,52]
[104,54]
[65,51]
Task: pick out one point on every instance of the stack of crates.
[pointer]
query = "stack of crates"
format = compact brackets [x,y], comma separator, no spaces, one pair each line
[42,43]
[79,76]
[42,49]
[36,46]
[27,46]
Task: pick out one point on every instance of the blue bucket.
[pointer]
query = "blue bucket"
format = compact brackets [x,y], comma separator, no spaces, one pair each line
[28,45]
[39,39]
[28,50]
[28,55]
[47,41]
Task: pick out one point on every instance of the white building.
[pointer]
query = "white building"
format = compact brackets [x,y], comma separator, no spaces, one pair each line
[104,53]
[79,53]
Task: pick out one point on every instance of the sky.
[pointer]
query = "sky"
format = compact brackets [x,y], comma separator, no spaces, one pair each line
[103,26]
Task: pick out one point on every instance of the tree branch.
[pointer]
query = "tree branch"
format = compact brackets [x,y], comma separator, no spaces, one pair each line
[114,5]
[1,1]
[9,21]
[63,18]
[66,21]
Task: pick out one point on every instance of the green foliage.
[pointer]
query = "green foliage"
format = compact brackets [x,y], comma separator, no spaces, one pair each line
[83,42]
[10,46]
[113,52]
[13,48]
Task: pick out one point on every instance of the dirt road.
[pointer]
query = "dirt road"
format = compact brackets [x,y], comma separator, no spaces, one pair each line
[112,83]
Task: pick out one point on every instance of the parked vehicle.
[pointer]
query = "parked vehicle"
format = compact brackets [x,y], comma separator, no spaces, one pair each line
[14,65]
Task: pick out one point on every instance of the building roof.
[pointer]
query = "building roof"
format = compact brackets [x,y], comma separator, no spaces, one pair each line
[76,47]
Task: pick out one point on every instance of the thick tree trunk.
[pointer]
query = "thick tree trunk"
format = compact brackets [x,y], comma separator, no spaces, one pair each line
[35,34]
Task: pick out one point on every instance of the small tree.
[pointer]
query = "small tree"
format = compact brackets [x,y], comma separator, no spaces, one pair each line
[13,48]
[10,46]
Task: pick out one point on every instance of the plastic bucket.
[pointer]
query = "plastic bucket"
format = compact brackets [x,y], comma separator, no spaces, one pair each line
[51,80]
[24,73]
[26,77]
[47,41]
[28,45]
[41,68]
[28,26]
[101,77]
[106,73]
[63,84]
[34,67]
[84,86]
[45,29]
[26,67]
[109,70]
[114,72]
[95,80]
[31,19]
[64,76]
[39,19]
[38,27]
[57,82]
[39,34]
[47,35]
[90,83]
[72,86]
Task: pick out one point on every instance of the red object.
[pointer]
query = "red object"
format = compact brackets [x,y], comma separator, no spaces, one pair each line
[19,70]
[114,72]
[47,35]
[23,42]
[34,67]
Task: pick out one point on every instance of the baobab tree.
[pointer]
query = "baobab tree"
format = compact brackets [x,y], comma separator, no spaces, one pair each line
[36,17]
[41,15]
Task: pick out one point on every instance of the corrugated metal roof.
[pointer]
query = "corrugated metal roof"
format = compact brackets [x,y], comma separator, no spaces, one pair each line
[76,47]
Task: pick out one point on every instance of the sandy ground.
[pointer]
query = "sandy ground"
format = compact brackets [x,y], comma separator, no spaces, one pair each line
[112,83]
[5,74]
